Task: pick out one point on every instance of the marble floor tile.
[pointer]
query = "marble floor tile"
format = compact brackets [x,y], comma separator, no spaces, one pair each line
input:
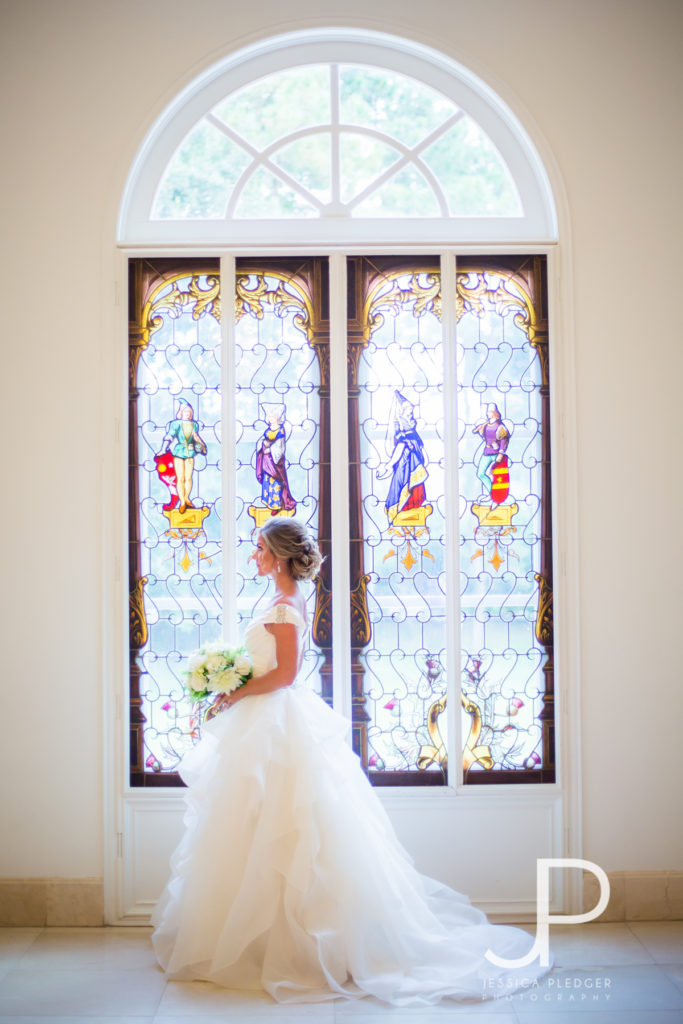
[237,1017]
[51,1019]
[675,973]
[80,993]
[202,999]
[605,1017]
[663,939]
[616,988]
[596,945]
[109,976]
[86,948]
[14,943]
[354,1011]
[435,1015]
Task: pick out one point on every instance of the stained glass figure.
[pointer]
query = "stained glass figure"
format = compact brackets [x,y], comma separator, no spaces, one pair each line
[492,469]
[271,468]
[181,443]
[407,460]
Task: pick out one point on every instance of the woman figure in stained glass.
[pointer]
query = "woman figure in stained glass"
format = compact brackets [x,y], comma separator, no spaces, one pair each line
[183,441]
[311,897]
[496,437]
[407,460]
[271,471]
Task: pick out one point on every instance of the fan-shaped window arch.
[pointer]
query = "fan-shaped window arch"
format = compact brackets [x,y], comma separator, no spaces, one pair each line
[347,133]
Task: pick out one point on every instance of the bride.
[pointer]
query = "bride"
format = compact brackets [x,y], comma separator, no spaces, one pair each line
[289,876]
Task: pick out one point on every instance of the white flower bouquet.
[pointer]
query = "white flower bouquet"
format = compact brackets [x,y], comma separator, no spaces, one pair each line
[215,668]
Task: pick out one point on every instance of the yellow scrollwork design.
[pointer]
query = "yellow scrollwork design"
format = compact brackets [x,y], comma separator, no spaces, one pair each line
[544,616]
[435,752]
[137,620]
[477,292]
[360,621]
[200,300]
[423,292]
[253,294]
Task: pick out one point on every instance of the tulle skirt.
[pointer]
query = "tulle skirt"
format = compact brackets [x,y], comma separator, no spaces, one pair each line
[290,877]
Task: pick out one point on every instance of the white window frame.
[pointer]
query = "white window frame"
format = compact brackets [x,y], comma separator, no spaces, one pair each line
[141,825]
[537,225]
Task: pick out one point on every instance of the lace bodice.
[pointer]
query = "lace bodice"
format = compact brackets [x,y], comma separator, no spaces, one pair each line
[260,643]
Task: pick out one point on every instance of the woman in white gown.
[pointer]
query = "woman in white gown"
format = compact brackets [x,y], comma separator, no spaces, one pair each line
[289,876]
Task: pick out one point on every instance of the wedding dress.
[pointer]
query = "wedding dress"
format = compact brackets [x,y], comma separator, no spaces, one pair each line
[290,877]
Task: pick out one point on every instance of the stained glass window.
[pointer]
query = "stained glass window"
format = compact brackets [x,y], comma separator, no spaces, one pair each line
[282,465]
[505,556]
[500,461]
[398,554]
[175,563]
[414,484]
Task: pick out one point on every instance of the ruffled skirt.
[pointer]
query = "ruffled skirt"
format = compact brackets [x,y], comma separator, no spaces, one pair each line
[290,877]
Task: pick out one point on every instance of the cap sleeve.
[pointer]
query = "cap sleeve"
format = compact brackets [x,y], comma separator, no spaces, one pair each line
[285,613]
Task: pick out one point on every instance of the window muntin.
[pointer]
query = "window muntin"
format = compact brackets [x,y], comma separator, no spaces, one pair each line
[286,147]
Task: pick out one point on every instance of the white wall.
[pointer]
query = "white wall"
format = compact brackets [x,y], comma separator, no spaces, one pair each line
[82,80]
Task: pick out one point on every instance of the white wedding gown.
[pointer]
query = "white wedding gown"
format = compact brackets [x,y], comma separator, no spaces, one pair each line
[290,877]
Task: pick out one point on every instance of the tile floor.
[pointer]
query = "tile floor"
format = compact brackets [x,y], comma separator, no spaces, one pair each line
[604,974]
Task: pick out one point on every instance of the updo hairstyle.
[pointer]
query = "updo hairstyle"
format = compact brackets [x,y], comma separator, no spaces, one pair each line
[290,541]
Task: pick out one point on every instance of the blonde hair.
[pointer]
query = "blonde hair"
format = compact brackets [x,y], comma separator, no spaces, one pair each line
[290,541]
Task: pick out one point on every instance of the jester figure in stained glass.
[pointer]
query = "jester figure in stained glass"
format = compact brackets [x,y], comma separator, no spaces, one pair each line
[182,442]
[492,469]
[271,470]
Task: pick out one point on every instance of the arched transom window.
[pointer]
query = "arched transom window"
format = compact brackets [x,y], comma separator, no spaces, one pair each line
[345,133]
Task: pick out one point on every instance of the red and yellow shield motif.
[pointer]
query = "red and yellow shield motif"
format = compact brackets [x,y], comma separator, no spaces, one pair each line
[500,488]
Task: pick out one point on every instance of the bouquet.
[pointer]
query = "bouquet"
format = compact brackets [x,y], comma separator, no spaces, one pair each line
[215,668]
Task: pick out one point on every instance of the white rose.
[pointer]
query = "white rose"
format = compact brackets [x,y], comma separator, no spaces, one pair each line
[195,661]
[215,662]
[197,681]
[226,681]
[242,665]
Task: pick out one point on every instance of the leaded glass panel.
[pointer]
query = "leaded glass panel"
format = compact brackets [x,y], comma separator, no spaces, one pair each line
[401,476]
[401,465]
[175,478]
[278,355]
[505,558]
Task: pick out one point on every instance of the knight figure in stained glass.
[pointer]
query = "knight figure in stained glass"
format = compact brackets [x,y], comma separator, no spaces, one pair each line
[271,469]
[407,460]
[493,463]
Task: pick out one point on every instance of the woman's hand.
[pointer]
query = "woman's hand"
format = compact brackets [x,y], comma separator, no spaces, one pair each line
[226,700]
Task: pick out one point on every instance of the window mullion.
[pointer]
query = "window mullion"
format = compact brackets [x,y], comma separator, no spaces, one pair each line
[229,448]
[452,499]
[339,483]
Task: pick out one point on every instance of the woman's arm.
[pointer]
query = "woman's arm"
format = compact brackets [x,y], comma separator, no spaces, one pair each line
[286,665]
